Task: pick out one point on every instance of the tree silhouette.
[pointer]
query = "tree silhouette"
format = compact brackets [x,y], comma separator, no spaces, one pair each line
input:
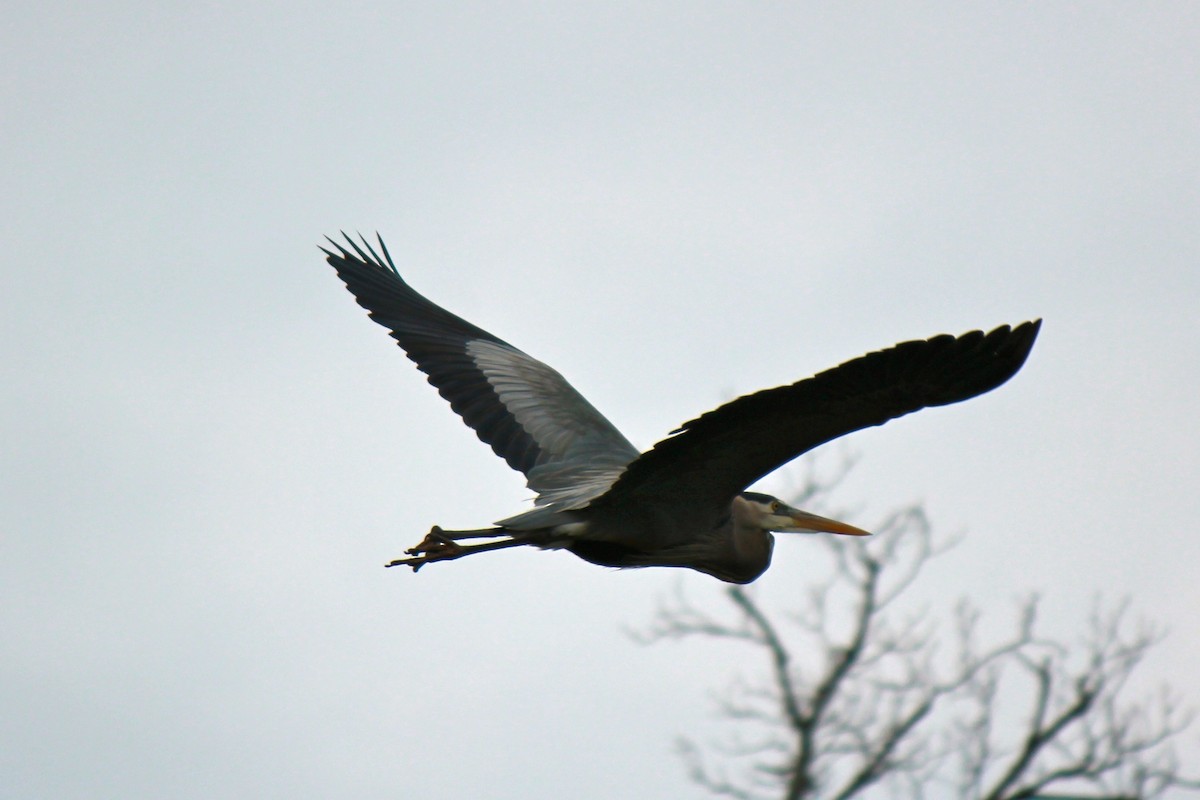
[867,699]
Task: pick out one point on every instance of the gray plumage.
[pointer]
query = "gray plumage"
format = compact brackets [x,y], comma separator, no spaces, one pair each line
[683,502]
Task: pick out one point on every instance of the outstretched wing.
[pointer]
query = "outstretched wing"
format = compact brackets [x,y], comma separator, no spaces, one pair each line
[525,410]
[705,463]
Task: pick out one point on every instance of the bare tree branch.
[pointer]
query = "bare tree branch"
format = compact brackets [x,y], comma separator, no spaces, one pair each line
[880,700]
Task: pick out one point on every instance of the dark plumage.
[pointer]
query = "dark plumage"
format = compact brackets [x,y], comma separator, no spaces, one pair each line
[683,502]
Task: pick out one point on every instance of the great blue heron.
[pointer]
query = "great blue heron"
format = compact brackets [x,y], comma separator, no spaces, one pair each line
[683,503]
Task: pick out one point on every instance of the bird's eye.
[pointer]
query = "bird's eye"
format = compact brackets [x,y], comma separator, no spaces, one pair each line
[774,506]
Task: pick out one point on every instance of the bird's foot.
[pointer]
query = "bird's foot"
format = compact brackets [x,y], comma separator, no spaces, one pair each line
[436,546]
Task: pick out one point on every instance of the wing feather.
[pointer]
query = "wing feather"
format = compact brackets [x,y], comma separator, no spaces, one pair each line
[710,459]
[524,409]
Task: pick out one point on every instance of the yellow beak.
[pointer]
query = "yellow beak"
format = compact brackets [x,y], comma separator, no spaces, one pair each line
[803,522]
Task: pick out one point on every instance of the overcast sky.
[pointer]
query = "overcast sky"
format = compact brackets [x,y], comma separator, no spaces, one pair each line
[209,450]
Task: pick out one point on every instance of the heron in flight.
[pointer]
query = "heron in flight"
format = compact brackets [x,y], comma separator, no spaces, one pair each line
[683,502]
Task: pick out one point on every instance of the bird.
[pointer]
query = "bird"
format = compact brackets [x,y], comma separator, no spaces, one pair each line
[684,502]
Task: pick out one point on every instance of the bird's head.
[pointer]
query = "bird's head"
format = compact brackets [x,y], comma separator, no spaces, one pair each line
[772,514]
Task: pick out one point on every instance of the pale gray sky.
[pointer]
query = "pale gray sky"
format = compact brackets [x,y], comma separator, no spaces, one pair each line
[210,451]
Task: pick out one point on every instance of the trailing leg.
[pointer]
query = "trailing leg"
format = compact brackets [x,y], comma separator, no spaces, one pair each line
[442,545]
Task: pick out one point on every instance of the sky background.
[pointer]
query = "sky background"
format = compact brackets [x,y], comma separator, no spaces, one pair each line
[210,451]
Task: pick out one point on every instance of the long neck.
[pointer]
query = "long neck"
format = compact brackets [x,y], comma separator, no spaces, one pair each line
[753,547]
[745,552]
